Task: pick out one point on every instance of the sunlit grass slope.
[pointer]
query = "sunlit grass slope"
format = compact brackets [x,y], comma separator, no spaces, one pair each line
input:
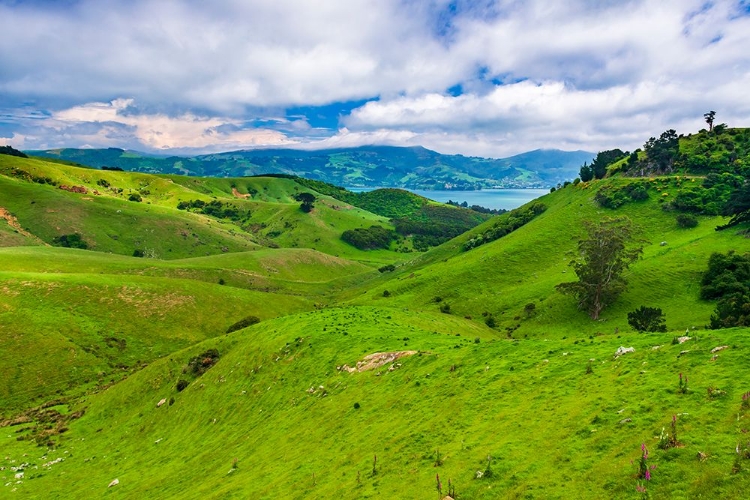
[109,222]
[296,427]
[502,277]
[71,317]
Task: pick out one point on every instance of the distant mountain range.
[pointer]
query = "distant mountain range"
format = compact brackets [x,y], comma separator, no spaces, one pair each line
[367,166]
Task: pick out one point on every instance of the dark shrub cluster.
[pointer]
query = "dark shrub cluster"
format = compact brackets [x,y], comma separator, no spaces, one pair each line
[198,365]
[10,150]
[647,319]
[243,323]
[612,197]
[506,225]
[215,208]
[369,239]
[727,280]
[70,241]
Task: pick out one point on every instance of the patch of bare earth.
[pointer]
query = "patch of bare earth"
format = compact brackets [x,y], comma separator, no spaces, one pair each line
[13,222]
[239,195]
[376,360]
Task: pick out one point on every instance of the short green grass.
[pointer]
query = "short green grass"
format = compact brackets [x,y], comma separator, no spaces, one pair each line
[502,277]
[277,404]
[542,394]
[108,222]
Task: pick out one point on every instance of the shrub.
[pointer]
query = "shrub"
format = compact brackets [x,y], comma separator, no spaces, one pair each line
[135,197]
[243,323]
[369,239]
[647,319]
[687,221]
[490,321]
[11,151]
[70,241]
[182,385]
[727,280]
[198,365]
[138,253]
[612,197]
[387,268]
[103,183]
[386,293]
[445,308]
[509,223]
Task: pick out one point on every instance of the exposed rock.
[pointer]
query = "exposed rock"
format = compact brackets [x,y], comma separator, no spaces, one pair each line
[161,402]
[656,347]
[376,360]
[626,420]
[74,189]
[719,348]
[663,244]
[682,340]
[114,482]
[623,350]
[682,353]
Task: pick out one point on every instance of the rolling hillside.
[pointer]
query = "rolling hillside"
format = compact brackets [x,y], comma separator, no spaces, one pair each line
[462,367]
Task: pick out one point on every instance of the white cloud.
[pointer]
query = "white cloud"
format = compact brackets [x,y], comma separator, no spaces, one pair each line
[559,74]
[157,131]
[16,140]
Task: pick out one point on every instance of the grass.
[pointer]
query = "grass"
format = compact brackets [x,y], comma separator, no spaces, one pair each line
[524,267]
[105,337]
[110,223]
[552,429]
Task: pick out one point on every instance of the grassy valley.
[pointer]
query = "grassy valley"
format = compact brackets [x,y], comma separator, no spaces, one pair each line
[379,371]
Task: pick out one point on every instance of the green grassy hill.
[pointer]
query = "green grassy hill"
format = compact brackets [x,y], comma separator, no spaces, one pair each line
[73,317]
[109,222]
[275,417]
[501,277]
[120,368]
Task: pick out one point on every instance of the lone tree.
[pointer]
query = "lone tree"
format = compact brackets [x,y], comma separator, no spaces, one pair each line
[307,200]
[647,319]
[709,117]
[605,255]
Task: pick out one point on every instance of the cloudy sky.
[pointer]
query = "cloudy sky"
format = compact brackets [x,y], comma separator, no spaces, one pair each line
[475,77]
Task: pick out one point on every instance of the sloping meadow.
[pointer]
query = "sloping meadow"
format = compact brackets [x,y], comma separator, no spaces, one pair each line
[272,412]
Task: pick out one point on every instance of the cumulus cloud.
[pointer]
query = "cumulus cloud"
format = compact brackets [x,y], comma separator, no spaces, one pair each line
[110,124]
[494,77]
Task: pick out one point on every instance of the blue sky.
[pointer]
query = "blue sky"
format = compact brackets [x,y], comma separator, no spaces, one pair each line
[485,78]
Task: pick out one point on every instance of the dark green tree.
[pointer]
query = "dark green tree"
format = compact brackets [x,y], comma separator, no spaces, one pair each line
[604,256]
[586,173]
[727,280]
[603,160]
[11,151]
[737,207]
[709,117]
[662,152]
[647,319]
[307,200]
